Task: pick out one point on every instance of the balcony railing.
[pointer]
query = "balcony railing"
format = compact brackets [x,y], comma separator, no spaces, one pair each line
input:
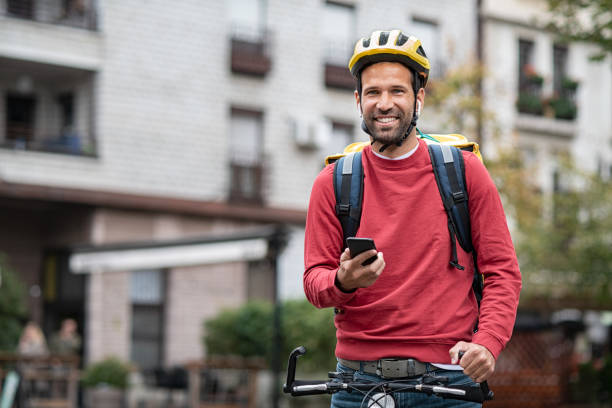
[337,55]
[73,13]
[250,51]
[247,183]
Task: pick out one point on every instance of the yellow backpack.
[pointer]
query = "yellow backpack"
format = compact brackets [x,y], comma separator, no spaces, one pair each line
[452,139]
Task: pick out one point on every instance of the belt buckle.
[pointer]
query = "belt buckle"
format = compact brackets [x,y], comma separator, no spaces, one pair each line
[397,368]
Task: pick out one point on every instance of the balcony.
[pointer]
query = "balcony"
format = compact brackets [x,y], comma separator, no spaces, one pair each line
[247,183]
[250,51]
[48,32]
[73,13]
[337,56]
[46,108]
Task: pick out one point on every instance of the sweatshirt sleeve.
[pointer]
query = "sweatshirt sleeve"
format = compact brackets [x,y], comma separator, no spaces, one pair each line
[496,259]
[323,245]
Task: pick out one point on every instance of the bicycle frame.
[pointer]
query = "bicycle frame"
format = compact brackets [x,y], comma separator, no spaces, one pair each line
[345,382]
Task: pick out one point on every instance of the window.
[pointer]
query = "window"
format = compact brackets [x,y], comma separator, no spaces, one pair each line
[147,293]
[338,35]
[69,140]
[20,114]
[559,67]
[20,8]
[338,40]
[525,61]
[341,136]
[429,34]
[246,156]
[249,37]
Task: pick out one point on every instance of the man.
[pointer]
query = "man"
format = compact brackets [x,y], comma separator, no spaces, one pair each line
[410,304]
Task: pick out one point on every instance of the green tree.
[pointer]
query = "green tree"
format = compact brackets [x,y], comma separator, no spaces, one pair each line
[583,20]
[12,306]
[562,239]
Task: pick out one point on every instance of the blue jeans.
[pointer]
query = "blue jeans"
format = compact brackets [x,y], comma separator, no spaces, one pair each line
[354,399]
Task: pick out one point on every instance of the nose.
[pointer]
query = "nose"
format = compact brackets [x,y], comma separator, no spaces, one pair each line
[384,102]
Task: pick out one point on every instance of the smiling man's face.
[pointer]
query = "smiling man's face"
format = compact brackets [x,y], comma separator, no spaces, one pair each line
[387,100]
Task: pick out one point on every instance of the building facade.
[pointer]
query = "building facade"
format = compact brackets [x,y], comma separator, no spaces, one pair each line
[548,97]
[128,126]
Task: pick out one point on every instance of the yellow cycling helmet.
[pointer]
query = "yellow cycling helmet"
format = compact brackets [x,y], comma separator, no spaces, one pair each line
[391,46]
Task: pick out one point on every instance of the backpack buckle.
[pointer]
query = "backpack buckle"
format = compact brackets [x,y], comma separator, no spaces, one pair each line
[343,209]
[458,197]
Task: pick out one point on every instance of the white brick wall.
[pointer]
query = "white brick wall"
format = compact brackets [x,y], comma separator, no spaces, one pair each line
[108,316]
[196,294]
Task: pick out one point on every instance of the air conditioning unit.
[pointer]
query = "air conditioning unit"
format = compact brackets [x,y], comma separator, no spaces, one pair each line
[310,133]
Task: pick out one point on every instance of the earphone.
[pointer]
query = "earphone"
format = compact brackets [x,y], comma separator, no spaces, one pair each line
[359,108]
[418,108]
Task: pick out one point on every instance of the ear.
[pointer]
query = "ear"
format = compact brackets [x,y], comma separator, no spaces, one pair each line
[420,100]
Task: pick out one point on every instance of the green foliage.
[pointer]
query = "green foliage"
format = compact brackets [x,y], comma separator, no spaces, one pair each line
[305,325]
[111,371]
[12,306]
[563,239]
[456,98]
[564,108]
[594,382]
[584,20]
[528,102]
[248,331]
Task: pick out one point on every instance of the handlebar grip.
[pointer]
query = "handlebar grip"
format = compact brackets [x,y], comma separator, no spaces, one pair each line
[486,392]
[300,388]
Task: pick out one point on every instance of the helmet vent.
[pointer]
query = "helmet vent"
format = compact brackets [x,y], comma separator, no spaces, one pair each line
[401,39]
[366,42]
[421,51]
[384,37]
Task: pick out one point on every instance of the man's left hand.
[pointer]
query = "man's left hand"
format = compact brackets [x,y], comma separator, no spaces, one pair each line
[477,362]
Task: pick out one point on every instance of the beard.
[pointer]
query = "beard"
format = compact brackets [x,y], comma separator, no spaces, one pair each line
[390,134]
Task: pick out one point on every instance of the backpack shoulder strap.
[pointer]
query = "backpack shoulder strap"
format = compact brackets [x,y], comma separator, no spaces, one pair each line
[449,170]
[348,188]
[448,167]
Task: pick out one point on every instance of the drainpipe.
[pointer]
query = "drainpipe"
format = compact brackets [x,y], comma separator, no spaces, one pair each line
[479,58]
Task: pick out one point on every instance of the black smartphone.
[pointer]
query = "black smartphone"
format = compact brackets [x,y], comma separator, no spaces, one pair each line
[359,245]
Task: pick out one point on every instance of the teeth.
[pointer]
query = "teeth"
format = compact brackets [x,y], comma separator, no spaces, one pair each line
[385,120]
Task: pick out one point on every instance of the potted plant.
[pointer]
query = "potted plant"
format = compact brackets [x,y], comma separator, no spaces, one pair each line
[563,107]
[105,383]
[533,80]
[529,103]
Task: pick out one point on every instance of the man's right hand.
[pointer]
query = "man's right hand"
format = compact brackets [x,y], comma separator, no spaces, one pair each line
[352,274]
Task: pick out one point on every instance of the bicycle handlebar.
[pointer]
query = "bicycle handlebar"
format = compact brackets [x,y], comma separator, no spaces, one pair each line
[338,383]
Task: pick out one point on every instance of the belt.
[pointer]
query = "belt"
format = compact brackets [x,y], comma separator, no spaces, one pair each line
[389,367]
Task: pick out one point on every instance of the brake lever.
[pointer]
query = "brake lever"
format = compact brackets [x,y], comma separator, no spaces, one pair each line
[291,365]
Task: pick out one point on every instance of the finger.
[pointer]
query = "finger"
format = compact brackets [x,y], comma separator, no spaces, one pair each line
[454,351]
[345,255]
[364,256]
[379,264]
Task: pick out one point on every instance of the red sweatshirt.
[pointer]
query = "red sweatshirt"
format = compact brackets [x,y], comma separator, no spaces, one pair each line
[420,306]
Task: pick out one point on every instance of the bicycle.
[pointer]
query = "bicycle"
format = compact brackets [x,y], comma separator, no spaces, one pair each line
[379,394]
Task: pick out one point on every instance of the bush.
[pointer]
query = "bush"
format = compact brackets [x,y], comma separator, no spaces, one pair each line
[248,331]
[111,371]
[12,306]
